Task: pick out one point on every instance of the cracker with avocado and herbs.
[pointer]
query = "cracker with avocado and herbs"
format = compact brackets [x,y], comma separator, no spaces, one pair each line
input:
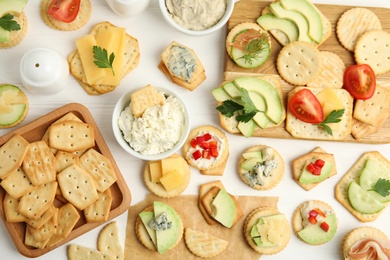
[364,190]
[12,35]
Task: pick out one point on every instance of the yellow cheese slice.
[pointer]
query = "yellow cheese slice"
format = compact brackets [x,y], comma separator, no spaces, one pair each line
[155,171]
[172,164]
[93,74]
[330,101]
[172,180]
[112,39]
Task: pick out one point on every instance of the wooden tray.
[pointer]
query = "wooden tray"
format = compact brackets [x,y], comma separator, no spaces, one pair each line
[250,10]
[119,190]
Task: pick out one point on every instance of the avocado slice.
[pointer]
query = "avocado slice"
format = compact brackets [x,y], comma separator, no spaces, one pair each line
[362,200]
[223,208]
[220,94]
[232,90]
[271,22]
[247,128]
[15,7]
[310,13]
[146,217]
[315,235]
[296,17]
[369,176]
[274,109]
[307,177]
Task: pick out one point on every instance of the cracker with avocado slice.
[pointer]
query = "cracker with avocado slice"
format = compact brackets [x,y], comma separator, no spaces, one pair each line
[15,37]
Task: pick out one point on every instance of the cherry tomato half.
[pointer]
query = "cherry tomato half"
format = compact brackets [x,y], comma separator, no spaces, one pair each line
[360,81]
[64,10]
[305,106]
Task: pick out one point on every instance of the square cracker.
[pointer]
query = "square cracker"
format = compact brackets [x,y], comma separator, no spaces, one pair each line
[99,167]
[12,154]
[109,242]
[77,252]
[77,186]
[203,244]
[39,163]
[35,203]
[17,184]
[99,210]
[353,174]
[10,205]
[203,189]
[65,159]
[29,240]
[47,230]
[38,223]
[144,98]
[67,219]
[71,136]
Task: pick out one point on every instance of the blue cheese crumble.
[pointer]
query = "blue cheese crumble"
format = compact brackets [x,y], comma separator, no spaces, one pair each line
[160,223]
[181,62]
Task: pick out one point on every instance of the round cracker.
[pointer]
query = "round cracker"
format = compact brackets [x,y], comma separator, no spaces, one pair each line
[17,36]
[373,48]
[297,218]
[159,190]
[273,179]
[239,28]
[353,23]
[298,62]
[141,232]
[331,73]
[253,218]
[24,99]
[223,155]
[82,17]
[357,234]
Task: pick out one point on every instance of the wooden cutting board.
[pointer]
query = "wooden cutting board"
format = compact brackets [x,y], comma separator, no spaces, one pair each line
[250,10]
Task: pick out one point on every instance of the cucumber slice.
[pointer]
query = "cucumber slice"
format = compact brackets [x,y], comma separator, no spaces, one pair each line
[370,174]
[362,200]
[259,59]
[13,116]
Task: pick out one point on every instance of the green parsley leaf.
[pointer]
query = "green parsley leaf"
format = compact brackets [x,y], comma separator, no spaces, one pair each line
[101,58]
[246,117]
[382,186]
[333,117]
[249,107]
[8,23]
[229,107]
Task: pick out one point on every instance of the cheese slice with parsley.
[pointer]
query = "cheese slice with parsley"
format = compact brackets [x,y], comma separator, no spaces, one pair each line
[112,39]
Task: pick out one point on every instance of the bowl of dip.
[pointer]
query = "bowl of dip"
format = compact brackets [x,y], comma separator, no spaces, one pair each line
[158,133]
[199,17]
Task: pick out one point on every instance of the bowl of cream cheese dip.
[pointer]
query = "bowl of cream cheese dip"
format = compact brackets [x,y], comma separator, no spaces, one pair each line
[198,17]
[150,123]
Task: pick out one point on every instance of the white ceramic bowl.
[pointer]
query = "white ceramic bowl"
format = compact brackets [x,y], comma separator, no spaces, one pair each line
[44,71]
[123,102]
[220,24]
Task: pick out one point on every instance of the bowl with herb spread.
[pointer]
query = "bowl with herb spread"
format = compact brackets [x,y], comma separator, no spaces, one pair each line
[150,123]
[197,18]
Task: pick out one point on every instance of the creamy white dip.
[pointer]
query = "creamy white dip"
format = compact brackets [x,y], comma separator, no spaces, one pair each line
[196,15]
[203,163]
[307,207]
[157,131]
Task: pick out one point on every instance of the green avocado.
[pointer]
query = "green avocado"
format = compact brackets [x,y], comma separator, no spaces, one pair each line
[146,217]
[15,7]
[247,128]
[223,209]
[271,22]
[4,35]
[220,94]
[315,235]
[307,177]
[232,90]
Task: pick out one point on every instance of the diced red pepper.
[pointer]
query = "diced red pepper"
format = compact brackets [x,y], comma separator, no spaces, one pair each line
[313,213]
[213,144]
[206,137]
[324,226]
[193,143]
[315,170]
[214,153]
[206,154]
[312,220]
[205,145]
[322,214]
[197,154]
[319,163]
[199,139]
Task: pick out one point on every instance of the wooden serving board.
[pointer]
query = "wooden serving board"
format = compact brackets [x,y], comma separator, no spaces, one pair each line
[34,131]
[250,10]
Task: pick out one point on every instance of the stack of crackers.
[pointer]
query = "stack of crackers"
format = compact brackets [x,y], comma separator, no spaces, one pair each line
[50,182]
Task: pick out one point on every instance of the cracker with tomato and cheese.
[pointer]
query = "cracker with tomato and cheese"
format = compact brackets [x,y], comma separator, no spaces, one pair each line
[331,100]
[113,41]
[65,15]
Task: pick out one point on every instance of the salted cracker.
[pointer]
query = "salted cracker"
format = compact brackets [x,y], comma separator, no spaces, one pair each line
[373,48]
[38,223]
[331,73]
[39,163]
[99,210]
[17,184]
[65,159]
[142,234]
[203,190]
[35,203]
[10,206]
[100,169]
[12,154]
[353,23]
[370,111]
[29,240]
[353,174]
[361,130]
[203,244]
[47,230]
[77,252]
[77,186]
[67,220]
[82,17]
[144,98]
[298,62]
[71,136]
[108,241]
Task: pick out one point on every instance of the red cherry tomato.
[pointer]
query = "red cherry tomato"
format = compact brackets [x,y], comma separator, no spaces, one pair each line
[360,81]
[64,10]
[305,106]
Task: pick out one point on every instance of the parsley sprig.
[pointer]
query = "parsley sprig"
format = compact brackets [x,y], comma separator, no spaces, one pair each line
[333,117]
[382,186]
[246,111]
[101,58]
[254,47]
[8,23]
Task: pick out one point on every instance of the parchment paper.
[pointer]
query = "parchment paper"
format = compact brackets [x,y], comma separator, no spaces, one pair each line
[187,207]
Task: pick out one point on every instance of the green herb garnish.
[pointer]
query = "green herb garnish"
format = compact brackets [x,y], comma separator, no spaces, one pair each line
[101,58]
[333,117]
[382,186]
[247,111]
[8,23]
[254,47]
